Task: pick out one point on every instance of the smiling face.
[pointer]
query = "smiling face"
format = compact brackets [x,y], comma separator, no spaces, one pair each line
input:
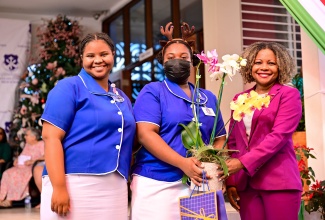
[265,70]
[98,60]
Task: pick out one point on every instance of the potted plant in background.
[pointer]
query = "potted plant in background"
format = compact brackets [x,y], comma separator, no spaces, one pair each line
[313,196]
[307,173]
[316,198]
[299,136]
[211,157]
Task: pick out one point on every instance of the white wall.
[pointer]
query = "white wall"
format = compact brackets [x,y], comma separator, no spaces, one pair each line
[313,63]
[87,24]
[222,31]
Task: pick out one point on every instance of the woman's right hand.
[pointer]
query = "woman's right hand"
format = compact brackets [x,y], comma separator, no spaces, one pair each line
[60,203]
[233,197]
[193,169]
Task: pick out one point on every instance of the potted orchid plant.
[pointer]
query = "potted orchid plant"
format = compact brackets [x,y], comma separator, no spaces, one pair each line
[244,104]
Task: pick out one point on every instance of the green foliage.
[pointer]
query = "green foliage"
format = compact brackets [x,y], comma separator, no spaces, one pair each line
[316,198]
[191,136]
[297,82]
[307,174]
[316,195]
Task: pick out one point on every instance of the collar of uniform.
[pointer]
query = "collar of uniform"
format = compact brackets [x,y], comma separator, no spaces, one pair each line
[176,90]
[91,84]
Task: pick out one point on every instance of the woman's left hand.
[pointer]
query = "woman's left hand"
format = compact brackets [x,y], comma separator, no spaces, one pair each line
[234,165]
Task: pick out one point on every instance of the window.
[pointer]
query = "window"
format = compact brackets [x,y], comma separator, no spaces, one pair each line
[135,28]
[268,20]
[116,34]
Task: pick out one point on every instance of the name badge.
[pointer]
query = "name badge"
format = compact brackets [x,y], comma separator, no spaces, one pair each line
[208,111]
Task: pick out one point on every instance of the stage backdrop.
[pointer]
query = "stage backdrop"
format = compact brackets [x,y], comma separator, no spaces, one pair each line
[15,38]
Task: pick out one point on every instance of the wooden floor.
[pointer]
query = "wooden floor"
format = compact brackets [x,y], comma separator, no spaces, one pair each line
[19,214]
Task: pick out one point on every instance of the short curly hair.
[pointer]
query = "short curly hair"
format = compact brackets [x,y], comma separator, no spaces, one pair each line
[285,62]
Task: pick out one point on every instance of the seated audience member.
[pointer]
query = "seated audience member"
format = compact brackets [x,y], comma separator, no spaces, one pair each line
[5,151]
[15,180]
[37,175]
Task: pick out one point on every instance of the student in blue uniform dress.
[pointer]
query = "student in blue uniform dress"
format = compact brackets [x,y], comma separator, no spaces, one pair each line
[161,161]
[88,129]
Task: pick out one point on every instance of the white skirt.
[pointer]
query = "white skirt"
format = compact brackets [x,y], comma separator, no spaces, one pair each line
[158,200]
[100,197]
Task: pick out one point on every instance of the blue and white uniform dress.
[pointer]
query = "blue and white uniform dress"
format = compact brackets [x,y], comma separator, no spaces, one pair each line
[99,131]
[156,185]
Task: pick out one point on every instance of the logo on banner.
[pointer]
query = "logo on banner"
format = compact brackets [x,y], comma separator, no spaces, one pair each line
[10,62]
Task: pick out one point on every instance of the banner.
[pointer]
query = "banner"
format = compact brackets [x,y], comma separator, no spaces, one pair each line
[309,14]
[15,38]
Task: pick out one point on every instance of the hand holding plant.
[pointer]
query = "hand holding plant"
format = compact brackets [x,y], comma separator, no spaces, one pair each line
[245,104]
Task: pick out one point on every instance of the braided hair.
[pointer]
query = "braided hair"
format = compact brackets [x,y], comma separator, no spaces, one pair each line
[96,36]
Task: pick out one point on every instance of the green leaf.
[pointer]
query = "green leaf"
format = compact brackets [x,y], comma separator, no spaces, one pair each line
[312,156]
[184,179]
[191,136]
[223,165]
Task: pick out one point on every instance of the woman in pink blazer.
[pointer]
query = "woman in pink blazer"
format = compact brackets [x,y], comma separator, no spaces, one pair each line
[264,181]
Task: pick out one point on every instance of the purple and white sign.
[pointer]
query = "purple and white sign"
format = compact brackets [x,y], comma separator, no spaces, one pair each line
[15,38]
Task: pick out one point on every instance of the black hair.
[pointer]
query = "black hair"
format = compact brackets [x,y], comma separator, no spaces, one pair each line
[95,36]
[160,56]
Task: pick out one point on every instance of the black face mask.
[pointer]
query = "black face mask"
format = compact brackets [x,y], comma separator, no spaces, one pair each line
[177,70]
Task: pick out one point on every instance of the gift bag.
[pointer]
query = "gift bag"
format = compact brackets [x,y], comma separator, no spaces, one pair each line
[221,206]
[205,205]
[202,206]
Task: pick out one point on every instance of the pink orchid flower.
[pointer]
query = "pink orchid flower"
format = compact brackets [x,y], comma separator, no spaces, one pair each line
[211,59]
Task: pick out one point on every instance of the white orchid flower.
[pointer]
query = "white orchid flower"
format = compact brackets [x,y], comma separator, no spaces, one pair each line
[228,57]
[216,75]
[243,62]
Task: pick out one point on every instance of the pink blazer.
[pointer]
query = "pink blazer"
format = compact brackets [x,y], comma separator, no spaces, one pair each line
[268,156]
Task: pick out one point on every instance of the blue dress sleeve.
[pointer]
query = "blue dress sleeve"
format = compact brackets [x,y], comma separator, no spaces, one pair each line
[147,105]
[60,106]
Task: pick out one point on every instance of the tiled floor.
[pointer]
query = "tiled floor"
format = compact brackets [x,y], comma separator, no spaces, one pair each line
[19,214]
[33,214]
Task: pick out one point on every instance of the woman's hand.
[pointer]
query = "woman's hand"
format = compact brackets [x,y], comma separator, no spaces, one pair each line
[234,165]
[60,202]
[233,197]
[15,162]
[29,162]
[193,169]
